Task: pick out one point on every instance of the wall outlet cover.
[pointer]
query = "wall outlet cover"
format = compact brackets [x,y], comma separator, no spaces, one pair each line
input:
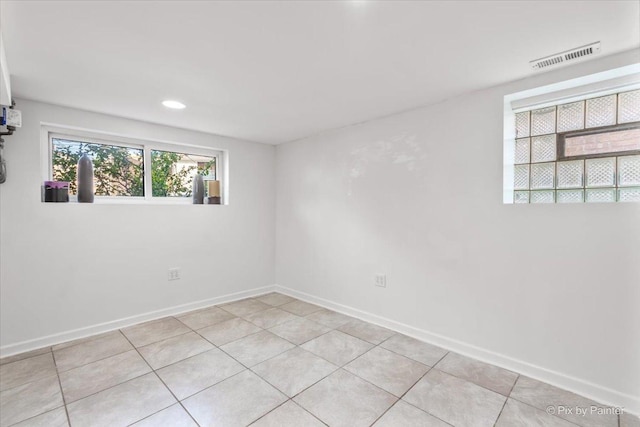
[381,280]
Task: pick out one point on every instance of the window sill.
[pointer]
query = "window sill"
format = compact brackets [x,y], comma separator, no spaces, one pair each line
[135,201]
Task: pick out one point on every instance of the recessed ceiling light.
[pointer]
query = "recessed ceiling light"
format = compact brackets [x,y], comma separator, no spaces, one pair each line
[173,104]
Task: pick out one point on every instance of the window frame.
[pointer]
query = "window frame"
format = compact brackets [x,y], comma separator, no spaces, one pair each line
[176,150]
[49,132]
[561,140]
[581,87]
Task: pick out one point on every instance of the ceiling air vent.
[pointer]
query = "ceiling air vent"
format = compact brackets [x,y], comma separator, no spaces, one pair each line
[569,55]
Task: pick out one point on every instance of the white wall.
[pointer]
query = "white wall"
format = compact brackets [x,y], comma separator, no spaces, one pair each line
[552,290]
[70,266]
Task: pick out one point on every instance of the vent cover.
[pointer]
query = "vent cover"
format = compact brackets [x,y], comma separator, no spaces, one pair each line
[569,55]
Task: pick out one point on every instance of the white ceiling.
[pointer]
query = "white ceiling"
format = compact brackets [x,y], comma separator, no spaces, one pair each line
[279,71]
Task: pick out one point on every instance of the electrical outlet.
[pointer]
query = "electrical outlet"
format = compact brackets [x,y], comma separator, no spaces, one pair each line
[381,280]
[174,273]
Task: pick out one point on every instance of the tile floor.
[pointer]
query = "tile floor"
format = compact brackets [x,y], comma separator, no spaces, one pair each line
[271,361]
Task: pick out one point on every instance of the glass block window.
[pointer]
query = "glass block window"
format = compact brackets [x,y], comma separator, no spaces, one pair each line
[523,151]
[571,116]
[543,148]
[601,111]
[580,152]
[543,121]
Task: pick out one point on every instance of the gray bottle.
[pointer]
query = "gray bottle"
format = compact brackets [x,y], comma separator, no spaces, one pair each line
[85,179]
[198,190]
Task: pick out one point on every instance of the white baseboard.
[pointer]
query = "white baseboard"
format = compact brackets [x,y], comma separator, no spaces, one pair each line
[49,340]
[604,395]
[598,393]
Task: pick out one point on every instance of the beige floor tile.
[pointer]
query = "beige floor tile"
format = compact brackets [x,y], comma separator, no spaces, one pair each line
[28,400]
[299,330]
[205,317]
[256,348]
[91,350]
[337,347]
[270,318]
[166,352]
[81,340]
[456,401]
[366,331]
[97,376]
[275,299]
[173,416]
[389,371]
[245,307]
[541,395]
[121,405]
[628,420]
[228,331]
[330,319]
[236,401]
[485,375]
[55,418]
[154,331]
[26,371]
[343,399]
[196,373]
[414,349]
[402,414]
[25,355]
[518,414]
[294,370]
[106,382]
[300,308]
[288,415]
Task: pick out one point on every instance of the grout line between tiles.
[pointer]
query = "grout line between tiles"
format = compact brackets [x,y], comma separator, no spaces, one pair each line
[37,415]
[409,403]
[475,383]
[153,370]
[64,399]
[162,339]
[535,407]
[81,341]
[27,357]
[29,382]
[514,384]
[276,388]
[110,387]
[298,344]
[219,346]
[282,404]
[500,413]
[304,409]
[268,412]
[301,391]
[40,379]
[222,350]
[413,385]
[212,385]
[165,385]
[58,372]
[93,361]
[454,375]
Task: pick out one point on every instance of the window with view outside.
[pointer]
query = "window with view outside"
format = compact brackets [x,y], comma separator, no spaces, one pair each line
[585,151]
[172,173]
[118,171]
